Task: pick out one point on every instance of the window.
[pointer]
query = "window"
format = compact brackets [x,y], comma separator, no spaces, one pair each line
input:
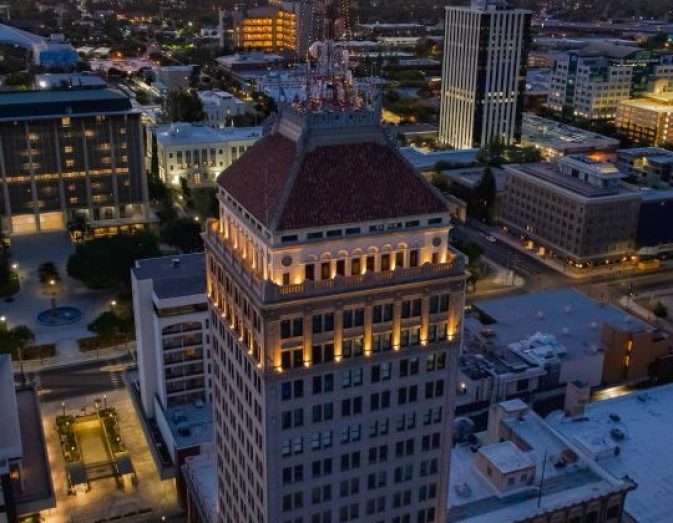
[371,263]
[323,323]
[292,389]
[323,383]
[292,418]
[354,318]
[382,342]
[292,358]
[352,347]
[341,267]
[356,266]
[411,308]
[351,378]
[385,262]
[291,328]
[325,271]
[314,235]
[382,313]
[309,272]
[324,412]
[413,258]
[399,259]
[322,353]
[353,230]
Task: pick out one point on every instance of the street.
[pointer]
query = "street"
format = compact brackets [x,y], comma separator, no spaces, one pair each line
[78,381]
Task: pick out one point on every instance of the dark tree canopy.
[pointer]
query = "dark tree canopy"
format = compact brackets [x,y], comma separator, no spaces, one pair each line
[105,263]
[183,106]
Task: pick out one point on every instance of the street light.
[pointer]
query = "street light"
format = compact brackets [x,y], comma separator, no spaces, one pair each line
[113,303]
[15,266]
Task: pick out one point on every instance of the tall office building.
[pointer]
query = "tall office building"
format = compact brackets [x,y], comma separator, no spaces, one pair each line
[483,77]
[336,308]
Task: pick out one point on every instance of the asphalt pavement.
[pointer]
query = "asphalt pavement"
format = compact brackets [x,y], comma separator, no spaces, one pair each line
[80,380]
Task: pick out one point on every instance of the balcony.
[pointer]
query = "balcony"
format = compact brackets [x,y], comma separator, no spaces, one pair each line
[269,292]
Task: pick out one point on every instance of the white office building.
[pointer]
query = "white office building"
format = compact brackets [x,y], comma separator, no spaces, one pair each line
[220,107]
[483,77]
[171,319]
[198,153]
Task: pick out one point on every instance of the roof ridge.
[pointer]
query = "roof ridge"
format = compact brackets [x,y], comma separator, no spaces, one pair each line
[295,169]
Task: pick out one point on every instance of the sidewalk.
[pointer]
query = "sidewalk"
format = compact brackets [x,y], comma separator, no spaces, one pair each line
[560,267]
[75,358]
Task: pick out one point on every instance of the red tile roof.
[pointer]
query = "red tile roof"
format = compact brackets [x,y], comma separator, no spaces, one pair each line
[257,178]
[355,183]
[332,185]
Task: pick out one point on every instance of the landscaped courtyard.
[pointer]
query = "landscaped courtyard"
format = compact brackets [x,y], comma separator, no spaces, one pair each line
[77,304]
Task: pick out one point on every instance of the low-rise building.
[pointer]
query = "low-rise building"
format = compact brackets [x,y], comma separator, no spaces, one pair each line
[220,107]
[25,475]
[575,209]
[571,336]
[198,153]
[496,374]
[647,165]
[646,120]
[172,386]
[554,139]
[522,470]
[629,436]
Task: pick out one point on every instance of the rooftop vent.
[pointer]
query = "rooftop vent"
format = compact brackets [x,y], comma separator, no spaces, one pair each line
[565,331]
[567,309]
[175,263]
[540,314]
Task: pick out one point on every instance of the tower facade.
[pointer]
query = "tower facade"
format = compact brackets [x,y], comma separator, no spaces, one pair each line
[336,307]
[483,74]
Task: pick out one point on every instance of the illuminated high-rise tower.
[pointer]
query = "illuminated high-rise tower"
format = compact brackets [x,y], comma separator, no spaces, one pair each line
[484,74]
[336,308]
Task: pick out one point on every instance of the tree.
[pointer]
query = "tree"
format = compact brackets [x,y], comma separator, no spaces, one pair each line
[14,340]
[183,106]
[660,310]
[105,263]
[483,197]
[109,324]
[184,234]
[47,272]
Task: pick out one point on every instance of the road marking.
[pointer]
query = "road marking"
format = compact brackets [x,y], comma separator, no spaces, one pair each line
[35,380]
[117,379]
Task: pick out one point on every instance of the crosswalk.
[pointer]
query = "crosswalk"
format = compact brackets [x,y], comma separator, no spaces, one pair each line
[34,380]
[118,380]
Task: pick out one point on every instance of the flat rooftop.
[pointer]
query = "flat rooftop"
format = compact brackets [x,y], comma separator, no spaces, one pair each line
[640,424]
[549,173]
[550,133]
[474,499]
[191,134]
[10,435]
[56,103]
[190,425]
[571,317]
[506,457]
[38,491]
[174,276]
[660,102]
[426,160]
[201,474]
